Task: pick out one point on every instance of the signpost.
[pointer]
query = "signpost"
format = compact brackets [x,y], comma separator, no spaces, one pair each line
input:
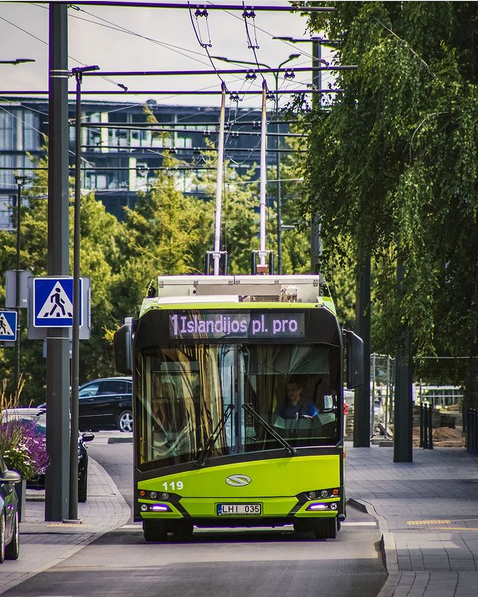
[8,326]
[53,302]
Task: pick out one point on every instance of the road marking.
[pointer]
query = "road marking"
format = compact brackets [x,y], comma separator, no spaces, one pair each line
[457,528]
[359,524]
[419,522]
[68,524]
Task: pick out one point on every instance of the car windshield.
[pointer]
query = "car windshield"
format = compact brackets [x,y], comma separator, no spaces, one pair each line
[184,390]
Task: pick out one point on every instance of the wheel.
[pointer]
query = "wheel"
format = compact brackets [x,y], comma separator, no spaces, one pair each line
[12,550]
[125,421]
[83,486]
[154,530]
[2,537]
[326,528]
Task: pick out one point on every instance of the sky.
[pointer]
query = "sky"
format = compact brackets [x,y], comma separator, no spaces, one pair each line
[142,39]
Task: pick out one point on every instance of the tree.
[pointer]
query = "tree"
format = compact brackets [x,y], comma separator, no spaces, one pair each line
[393,165]
[166,233]
[100,257]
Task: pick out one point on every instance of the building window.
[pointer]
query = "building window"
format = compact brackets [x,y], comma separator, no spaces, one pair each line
[6,131]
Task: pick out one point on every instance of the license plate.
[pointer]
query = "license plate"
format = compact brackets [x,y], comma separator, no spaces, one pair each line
[239,509]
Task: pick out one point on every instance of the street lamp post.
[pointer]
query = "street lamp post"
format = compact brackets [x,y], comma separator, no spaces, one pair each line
[20,180]
[276,109]
[75,344]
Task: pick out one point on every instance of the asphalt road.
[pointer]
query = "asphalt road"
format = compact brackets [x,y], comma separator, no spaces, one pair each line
[236,563]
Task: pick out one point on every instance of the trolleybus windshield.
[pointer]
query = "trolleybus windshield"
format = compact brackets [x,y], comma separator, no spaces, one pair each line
[184,389]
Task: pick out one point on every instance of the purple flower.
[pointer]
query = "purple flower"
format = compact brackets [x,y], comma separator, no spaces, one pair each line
[23,445]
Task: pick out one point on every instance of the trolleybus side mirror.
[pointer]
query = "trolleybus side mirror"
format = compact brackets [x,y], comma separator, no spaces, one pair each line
[355,362]
[122,346]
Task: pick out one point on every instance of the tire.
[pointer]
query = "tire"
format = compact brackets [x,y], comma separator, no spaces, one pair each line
[326,528]
[154,530]
[12,550]
[125,421]
[2,537]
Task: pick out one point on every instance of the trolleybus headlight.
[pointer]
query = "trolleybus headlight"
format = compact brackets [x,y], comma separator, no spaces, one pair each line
[311,495]
[144,507]
[317,506]
[142,493]
[153,495]
[333,506]
[324,493]
[160,508]
[164,496]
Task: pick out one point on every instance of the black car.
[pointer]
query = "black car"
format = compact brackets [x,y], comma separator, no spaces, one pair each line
[38,416]
[9,531]
[106,404]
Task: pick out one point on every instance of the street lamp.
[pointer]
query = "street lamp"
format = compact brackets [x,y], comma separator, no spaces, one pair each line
[279,198]
[75,343]
[17,61]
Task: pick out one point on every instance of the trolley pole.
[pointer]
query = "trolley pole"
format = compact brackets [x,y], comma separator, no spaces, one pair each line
[263,183]
[219,177]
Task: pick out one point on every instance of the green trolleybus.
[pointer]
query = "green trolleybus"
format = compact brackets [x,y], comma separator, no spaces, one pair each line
[238,403]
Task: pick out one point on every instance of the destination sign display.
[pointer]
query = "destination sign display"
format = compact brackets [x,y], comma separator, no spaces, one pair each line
[247,324]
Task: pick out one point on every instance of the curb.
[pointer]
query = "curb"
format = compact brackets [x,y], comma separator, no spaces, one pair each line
[120,440]
[387,547]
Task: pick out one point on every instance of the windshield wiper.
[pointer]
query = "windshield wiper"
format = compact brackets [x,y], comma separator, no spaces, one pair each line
[201,461]
[250,409]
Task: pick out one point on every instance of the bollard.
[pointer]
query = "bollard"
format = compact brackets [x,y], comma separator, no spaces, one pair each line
[430,427]
[421,426]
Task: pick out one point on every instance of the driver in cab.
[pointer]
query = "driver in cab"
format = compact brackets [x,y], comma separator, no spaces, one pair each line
[295,406]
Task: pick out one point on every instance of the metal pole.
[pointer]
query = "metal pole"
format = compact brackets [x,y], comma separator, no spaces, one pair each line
[403,420]
[219,177]
[263,181]
[75,345]
[279,197]
[58,361]
[372,401]
[315,240]
[387,393]
[362,394]
[20,181]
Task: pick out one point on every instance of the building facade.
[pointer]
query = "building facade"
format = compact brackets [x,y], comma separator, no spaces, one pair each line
[120,151]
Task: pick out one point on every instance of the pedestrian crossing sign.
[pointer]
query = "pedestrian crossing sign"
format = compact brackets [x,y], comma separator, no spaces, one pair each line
[8,326]
[53,302]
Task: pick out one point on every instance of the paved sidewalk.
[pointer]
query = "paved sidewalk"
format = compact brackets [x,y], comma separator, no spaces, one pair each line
[45,544]
[428,514]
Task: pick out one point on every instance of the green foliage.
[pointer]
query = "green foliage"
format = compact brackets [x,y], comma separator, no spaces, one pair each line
[393,167]
[166,233]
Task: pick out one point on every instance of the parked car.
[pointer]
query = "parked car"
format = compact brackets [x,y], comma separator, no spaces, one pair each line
[9,531]
[106,404]
[38,415]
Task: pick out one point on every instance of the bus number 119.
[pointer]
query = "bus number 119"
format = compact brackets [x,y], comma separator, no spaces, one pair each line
[173,485]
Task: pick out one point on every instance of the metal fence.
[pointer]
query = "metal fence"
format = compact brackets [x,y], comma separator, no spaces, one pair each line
[435,391]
